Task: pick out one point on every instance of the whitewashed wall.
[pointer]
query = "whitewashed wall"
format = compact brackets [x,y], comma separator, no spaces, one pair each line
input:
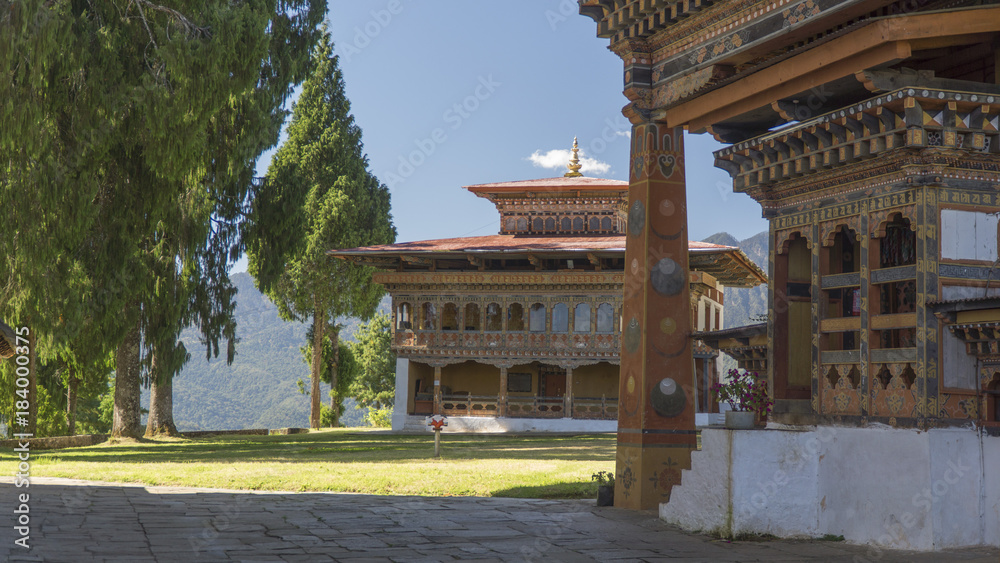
[885,487]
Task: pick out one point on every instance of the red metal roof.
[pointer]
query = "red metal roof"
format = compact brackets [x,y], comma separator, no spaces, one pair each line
[560,183]
[511,243]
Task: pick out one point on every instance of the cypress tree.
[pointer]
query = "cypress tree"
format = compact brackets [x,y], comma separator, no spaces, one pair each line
[319,195]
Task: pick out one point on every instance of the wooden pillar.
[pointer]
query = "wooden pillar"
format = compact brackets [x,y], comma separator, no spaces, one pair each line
[437,389]
[926,385]
[656,431]
[568,399]
[502,397]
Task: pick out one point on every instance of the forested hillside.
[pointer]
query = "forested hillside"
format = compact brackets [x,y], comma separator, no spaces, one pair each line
[259,389]
[743,304]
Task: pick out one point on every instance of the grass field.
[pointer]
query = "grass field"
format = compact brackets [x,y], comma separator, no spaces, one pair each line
[525,466]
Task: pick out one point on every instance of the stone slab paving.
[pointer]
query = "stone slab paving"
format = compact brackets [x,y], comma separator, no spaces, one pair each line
[77,521]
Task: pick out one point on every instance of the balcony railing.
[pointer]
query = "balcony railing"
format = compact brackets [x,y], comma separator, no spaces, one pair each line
[536,407]
[467,404]
[455,342]
[595,408]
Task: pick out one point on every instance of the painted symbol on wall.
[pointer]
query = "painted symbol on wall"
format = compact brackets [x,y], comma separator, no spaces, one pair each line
[636,218]
[667,278]
[667,208]
[632,336]
[666,162]
[667,398]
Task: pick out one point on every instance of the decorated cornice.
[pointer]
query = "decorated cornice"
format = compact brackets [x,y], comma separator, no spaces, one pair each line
[929,135]
[519,283]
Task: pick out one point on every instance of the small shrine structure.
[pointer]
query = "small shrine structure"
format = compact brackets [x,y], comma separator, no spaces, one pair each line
[867,130]
[522,330]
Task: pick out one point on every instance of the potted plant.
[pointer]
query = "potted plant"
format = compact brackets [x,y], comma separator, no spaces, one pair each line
[746,394]
[605,487]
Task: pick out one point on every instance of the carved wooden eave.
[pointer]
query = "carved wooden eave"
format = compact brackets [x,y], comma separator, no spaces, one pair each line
[721,66]
[833,154]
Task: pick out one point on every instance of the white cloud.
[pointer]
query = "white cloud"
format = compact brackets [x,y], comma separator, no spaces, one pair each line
[557,159]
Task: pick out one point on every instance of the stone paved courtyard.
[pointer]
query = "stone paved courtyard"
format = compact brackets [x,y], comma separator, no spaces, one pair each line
[81,521]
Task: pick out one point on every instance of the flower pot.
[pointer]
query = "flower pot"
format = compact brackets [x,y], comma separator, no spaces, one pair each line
[605,495]
[740,420]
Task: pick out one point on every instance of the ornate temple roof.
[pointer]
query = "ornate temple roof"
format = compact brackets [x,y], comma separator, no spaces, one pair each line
[727,264]
[560,183]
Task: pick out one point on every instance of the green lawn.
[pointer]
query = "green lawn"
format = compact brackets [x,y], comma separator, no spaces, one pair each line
[527,466]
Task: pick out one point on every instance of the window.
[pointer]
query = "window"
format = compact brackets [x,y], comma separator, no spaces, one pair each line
[606,224]
[522,224]
[581,318]
[898,246]
[560,318]
[449,317]
[508,224]
[550,224]
[403,319]
[515,317]
[578,224]
[567,224]
[494,318]
[595,224]
[472,317]
[536,318]
[605,318]
[519,383]
[537,225]
[429,317]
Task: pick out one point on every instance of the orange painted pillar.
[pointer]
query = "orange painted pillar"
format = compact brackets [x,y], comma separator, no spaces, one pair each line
[656,432]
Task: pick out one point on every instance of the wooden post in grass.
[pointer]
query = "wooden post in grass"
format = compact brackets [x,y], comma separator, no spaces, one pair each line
[437,422]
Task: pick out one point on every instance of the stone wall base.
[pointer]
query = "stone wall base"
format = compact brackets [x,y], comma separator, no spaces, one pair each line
[485,424]
[885,487]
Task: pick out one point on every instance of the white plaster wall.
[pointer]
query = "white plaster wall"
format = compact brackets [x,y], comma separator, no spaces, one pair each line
[895,488]
[969,235]
[701,503]
[399,411]
[777,493]
[488,424]
[991,492]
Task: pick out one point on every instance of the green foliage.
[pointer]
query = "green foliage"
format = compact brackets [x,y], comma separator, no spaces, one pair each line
[318,195]
[380,417]
[51,418]
[375,383]
[744,391]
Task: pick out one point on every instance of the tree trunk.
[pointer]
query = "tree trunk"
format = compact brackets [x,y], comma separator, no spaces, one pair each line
[319,321]
[334,395]
[161,407]
[127,417]
[71,394]
[32,427]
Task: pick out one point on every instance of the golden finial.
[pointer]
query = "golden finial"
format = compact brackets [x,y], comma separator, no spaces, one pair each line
[574,163]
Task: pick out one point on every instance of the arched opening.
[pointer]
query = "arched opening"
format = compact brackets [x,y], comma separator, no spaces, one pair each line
[566,224]
[429,317]
[793,319]
[536,318]
[605,318]
[404,320]
[581,318]
[578,223]
[494,318]
[606,224]
[449,317]
[515,317]
[560,318]
[472,321]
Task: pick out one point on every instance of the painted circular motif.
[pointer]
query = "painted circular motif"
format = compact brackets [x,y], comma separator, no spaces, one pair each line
[667,277]
[667,398]
[667,208]
[630,384]
[632,336]
[634,266]
[636,218]
[668,326]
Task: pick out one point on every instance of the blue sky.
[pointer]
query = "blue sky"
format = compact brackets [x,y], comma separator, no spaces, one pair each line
[451,93]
